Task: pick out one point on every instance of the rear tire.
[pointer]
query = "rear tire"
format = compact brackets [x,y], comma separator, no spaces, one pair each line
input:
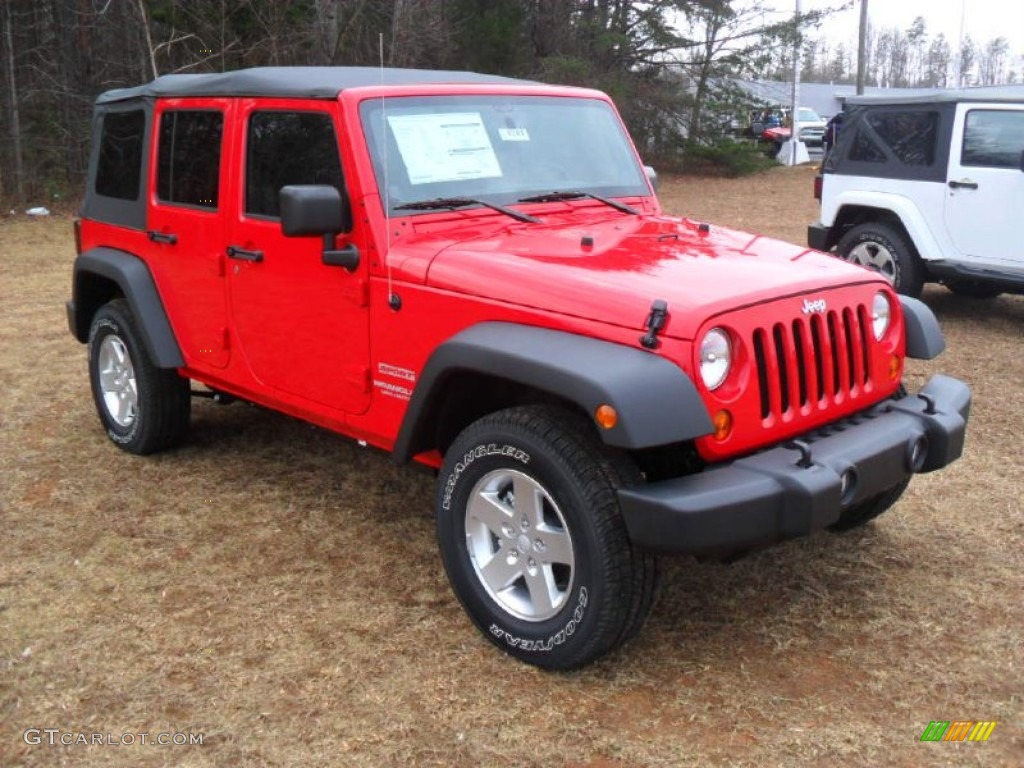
[886,250]
[144,409]
[533,541]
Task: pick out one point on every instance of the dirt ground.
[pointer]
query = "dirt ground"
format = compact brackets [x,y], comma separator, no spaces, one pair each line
[278,590]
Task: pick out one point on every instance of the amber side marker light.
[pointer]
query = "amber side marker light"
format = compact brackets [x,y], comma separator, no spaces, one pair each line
[722,422]
[606,416]
[895,366]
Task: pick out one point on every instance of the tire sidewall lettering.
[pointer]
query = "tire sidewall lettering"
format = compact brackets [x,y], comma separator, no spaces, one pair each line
[552,641]
[490,449]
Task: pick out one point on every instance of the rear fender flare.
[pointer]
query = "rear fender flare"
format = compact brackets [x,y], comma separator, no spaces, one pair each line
[136,284]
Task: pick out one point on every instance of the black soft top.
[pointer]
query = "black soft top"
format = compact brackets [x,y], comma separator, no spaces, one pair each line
[987,93]
[298,82]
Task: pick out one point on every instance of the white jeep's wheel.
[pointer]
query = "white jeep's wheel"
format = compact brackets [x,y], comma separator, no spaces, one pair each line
[533,541]
[143,408]
[884,249]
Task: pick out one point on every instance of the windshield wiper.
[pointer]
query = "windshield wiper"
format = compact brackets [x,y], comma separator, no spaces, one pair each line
[451,203]
[571,194]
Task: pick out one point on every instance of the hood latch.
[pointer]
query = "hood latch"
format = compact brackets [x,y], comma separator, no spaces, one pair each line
[655,322]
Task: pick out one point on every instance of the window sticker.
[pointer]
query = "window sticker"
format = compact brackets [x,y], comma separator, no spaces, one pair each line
[444,147]
[514,134]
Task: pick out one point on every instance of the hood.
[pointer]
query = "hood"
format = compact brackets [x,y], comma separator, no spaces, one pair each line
[611,268]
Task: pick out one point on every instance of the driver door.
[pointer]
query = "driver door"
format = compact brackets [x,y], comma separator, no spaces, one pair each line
[302,325]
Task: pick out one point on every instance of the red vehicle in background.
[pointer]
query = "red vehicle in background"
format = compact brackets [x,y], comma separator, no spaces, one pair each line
[475,274]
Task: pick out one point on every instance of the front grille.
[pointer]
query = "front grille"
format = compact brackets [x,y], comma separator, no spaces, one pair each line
[813,361]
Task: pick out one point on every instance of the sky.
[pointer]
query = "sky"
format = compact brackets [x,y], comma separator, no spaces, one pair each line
[983,19]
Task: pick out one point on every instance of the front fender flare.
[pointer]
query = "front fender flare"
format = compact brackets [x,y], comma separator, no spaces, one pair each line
[656,401]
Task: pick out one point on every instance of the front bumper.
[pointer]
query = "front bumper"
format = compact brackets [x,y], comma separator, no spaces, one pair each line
[802,486]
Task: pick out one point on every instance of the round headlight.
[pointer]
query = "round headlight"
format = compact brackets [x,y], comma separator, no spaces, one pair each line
[881,315]
[715,357]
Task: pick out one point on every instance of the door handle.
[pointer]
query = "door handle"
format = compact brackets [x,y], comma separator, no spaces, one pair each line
[162,237]
[965,184]
[234,252]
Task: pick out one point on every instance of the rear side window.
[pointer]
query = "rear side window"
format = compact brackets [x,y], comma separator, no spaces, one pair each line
[288,148]
[188,162]
[993,138]
[910,136]
[120,160]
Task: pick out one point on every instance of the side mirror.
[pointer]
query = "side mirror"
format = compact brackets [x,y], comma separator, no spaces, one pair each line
[319,209]
[652,176]
[313,209]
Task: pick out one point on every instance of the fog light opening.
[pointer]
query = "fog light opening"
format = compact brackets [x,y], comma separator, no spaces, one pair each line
[917,453]
[847,486]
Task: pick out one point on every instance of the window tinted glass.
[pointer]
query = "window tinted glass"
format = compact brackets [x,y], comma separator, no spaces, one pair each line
[993,139]
[909,136]
[120,161]
[865,149]
[188,167]
[288,148]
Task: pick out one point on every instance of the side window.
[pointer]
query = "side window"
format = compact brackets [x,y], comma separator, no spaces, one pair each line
[910,136]
[865,150]
[993,138]
[288,148]
[188,161]
[120,156]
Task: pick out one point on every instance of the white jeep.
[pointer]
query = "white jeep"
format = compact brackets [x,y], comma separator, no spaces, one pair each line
[929,188]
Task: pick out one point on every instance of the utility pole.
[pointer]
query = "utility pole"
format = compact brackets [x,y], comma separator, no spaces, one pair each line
[862,44]
[794,151]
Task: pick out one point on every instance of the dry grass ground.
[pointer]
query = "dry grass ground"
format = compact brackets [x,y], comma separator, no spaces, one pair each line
[278,590]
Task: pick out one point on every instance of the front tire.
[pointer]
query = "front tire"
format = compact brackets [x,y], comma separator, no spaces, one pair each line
[886,250]
[144,408]
[533,541]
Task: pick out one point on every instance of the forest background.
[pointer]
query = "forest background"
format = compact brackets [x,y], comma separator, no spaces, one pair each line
[670,65]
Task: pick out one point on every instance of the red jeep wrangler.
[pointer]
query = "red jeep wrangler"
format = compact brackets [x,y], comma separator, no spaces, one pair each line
[474,273]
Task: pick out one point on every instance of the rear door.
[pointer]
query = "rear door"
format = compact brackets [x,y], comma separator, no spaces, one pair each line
[985,185]
[185,224]
[302,325]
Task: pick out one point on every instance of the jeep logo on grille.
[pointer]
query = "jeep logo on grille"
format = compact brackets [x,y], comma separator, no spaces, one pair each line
[818,305]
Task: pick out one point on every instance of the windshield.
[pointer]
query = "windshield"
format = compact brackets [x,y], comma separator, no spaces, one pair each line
[497,148]
[808,115]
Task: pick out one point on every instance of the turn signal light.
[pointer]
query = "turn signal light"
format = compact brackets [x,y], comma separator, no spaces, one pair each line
[606,416]
[722,422]
[895,366]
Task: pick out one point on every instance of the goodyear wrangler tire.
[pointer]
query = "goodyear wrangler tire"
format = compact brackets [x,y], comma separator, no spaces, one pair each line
[886,250]
[533,541]
[143,408]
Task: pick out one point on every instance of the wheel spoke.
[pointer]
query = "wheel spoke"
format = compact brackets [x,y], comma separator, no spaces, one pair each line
[539,582]
[490,510]
[529,500]
[499,573]
[557,548]
[108,380]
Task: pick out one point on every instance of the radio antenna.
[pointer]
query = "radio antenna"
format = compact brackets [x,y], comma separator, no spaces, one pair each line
[393,301]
